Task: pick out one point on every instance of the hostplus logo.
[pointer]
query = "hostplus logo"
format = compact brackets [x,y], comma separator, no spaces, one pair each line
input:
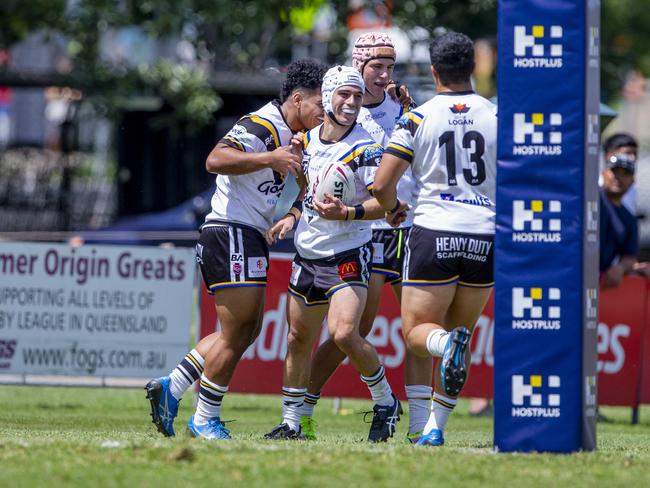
[592,217]
[538,46]
[535,396]
[536,221]
[590,396]
[591,308]
[537,134]
[536,308]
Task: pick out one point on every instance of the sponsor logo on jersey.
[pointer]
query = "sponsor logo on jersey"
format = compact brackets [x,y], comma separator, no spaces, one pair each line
[271,187]
[463,247]
[373,151]
[535,396]
[537,134]
[236,260]
[257,267]
[533,309]
[348,270]
[295,273]
[538,46]
[237,130]
[459,108]
[531,223]
[479,200]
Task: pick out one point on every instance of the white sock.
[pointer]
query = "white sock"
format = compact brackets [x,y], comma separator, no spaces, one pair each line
[436,342]
[293,400]
[310,403]
[379,388]
[209,404]
[419,398]
[186,373]
[442,408]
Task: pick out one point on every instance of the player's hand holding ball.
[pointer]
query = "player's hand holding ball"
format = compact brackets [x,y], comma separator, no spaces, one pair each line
[331,208]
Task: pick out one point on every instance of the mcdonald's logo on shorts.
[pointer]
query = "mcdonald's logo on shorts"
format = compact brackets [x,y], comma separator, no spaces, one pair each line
[348,270]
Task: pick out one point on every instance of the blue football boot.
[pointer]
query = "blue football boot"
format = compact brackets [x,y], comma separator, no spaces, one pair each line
[214,429]
[453,371]
[433,438]
[164,407]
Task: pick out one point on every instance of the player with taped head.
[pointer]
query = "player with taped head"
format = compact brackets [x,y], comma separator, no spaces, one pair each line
[374,57]
[232,252]
[450,145]
[331,269]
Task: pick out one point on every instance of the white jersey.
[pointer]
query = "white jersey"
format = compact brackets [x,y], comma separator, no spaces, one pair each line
[250,198]
[450,142]
[318,238]
[379,120]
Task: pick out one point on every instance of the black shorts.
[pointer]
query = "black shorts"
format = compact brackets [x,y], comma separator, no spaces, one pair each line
[316,280]
[388,253]
[232,255]
[441,258]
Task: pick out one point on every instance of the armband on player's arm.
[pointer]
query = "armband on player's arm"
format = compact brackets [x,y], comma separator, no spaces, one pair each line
[368,210]
[355,213]
[296,210]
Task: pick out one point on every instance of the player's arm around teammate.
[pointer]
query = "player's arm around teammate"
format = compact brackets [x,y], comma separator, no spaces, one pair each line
[332,266]
[251,162]
[448,271]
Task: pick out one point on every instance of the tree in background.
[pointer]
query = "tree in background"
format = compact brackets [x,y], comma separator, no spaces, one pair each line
[249,35]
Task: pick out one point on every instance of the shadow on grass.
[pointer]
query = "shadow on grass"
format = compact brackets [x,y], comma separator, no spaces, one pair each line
[63,406]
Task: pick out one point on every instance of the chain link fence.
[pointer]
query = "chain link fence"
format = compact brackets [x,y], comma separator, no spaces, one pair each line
[48,191]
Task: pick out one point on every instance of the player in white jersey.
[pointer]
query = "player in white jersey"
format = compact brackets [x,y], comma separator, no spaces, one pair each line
[332,265]
[450,145]
[251,162]
[374,57]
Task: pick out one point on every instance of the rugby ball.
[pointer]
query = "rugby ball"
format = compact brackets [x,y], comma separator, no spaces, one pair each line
[336,179]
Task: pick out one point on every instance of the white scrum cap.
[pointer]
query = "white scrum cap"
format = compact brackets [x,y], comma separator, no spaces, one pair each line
[337,77]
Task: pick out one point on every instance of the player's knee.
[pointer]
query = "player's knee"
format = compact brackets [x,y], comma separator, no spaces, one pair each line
[297,339]
[345,339]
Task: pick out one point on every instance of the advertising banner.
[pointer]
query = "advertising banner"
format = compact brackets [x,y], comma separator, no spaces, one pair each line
[546,243]
[94,310]
[623,324]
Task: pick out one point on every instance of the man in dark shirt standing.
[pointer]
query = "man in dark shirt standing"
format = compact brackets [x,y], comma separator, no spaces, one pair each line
[619,242]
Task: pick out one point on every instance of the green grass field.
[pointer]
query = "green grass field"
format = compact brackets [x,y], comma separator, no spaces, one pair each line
[103,437]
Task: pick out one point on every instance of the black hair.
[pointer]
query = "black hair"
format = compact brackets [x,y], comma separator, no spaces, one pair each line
[452,55]
[302,73]
[617,140]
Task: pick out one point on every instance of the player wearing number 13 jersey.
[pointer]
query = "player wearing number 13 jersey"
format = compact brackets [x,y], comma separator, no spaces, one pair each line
[450,145]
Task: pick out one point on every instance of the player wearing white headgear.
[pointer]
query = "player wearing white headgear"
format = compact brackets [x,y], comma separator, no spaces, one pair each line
[250,162]
[332,265]
[374,57]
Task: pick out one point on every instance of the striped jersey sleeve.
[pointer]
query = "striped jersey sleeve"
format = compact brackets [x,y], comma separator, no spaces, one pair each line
[364,159]
[252,133]
[401,141]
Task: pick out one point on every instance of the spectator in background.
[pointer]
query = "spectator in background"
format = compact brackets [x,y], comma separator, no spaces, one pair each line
[623,143]
[619,243]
